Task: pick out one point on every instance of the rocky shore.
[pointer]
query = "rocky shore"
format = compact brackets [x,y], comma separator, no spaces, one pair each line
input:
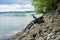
[48,30]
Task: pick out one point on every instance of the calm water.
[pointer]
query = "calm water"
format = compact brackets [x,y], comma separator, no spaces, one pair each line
[12,24]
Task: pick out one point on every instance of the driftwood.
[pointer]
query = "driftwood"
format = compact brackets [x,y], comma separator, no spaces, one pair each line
[37,20]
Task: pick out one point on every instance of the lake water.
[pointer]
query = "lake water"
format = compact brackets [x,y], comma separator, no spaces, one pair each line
[12,24]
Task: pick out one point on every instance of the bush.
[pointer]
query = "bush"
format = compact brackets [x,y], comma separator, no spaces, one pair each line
[43,6]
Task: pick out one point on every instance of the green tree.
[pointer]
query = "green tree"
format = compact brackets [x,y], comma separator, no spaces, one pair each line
[43,6]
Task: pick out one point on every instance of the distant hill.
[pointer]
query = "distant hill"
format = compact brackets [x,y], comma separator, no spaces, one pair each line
[17,12]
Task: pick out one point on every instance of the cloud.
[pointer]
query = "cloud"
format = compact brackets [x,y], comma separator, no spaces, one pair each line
[16,7]
[15,2]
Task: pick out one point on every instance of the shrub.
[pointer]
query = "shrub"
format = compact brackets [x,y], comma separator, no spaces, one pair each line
[43,6]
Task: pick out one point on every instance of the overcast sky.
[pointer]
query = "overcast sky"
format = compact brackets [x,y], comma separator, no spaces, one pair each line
[16,5]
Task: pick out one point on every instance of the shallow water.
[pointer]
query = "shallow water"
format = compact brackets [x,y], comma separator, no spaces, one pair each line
[12,24]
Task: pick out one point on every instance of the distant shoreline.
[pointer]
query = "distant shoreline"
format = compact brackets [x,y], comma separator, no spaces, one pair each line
[16,14]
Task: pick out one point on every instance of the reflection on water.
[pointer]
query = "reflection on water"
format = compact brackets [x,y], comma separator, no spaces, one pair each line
[10,24]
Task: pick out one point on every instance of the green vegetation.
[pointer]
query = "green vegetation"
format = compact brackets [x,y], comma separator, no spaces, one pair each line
[43,6]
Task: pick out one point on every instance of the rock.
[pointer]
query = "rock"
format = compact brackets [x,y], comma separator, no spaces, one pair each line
[48,38]
[40,38]
[58,38]
[56,29]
